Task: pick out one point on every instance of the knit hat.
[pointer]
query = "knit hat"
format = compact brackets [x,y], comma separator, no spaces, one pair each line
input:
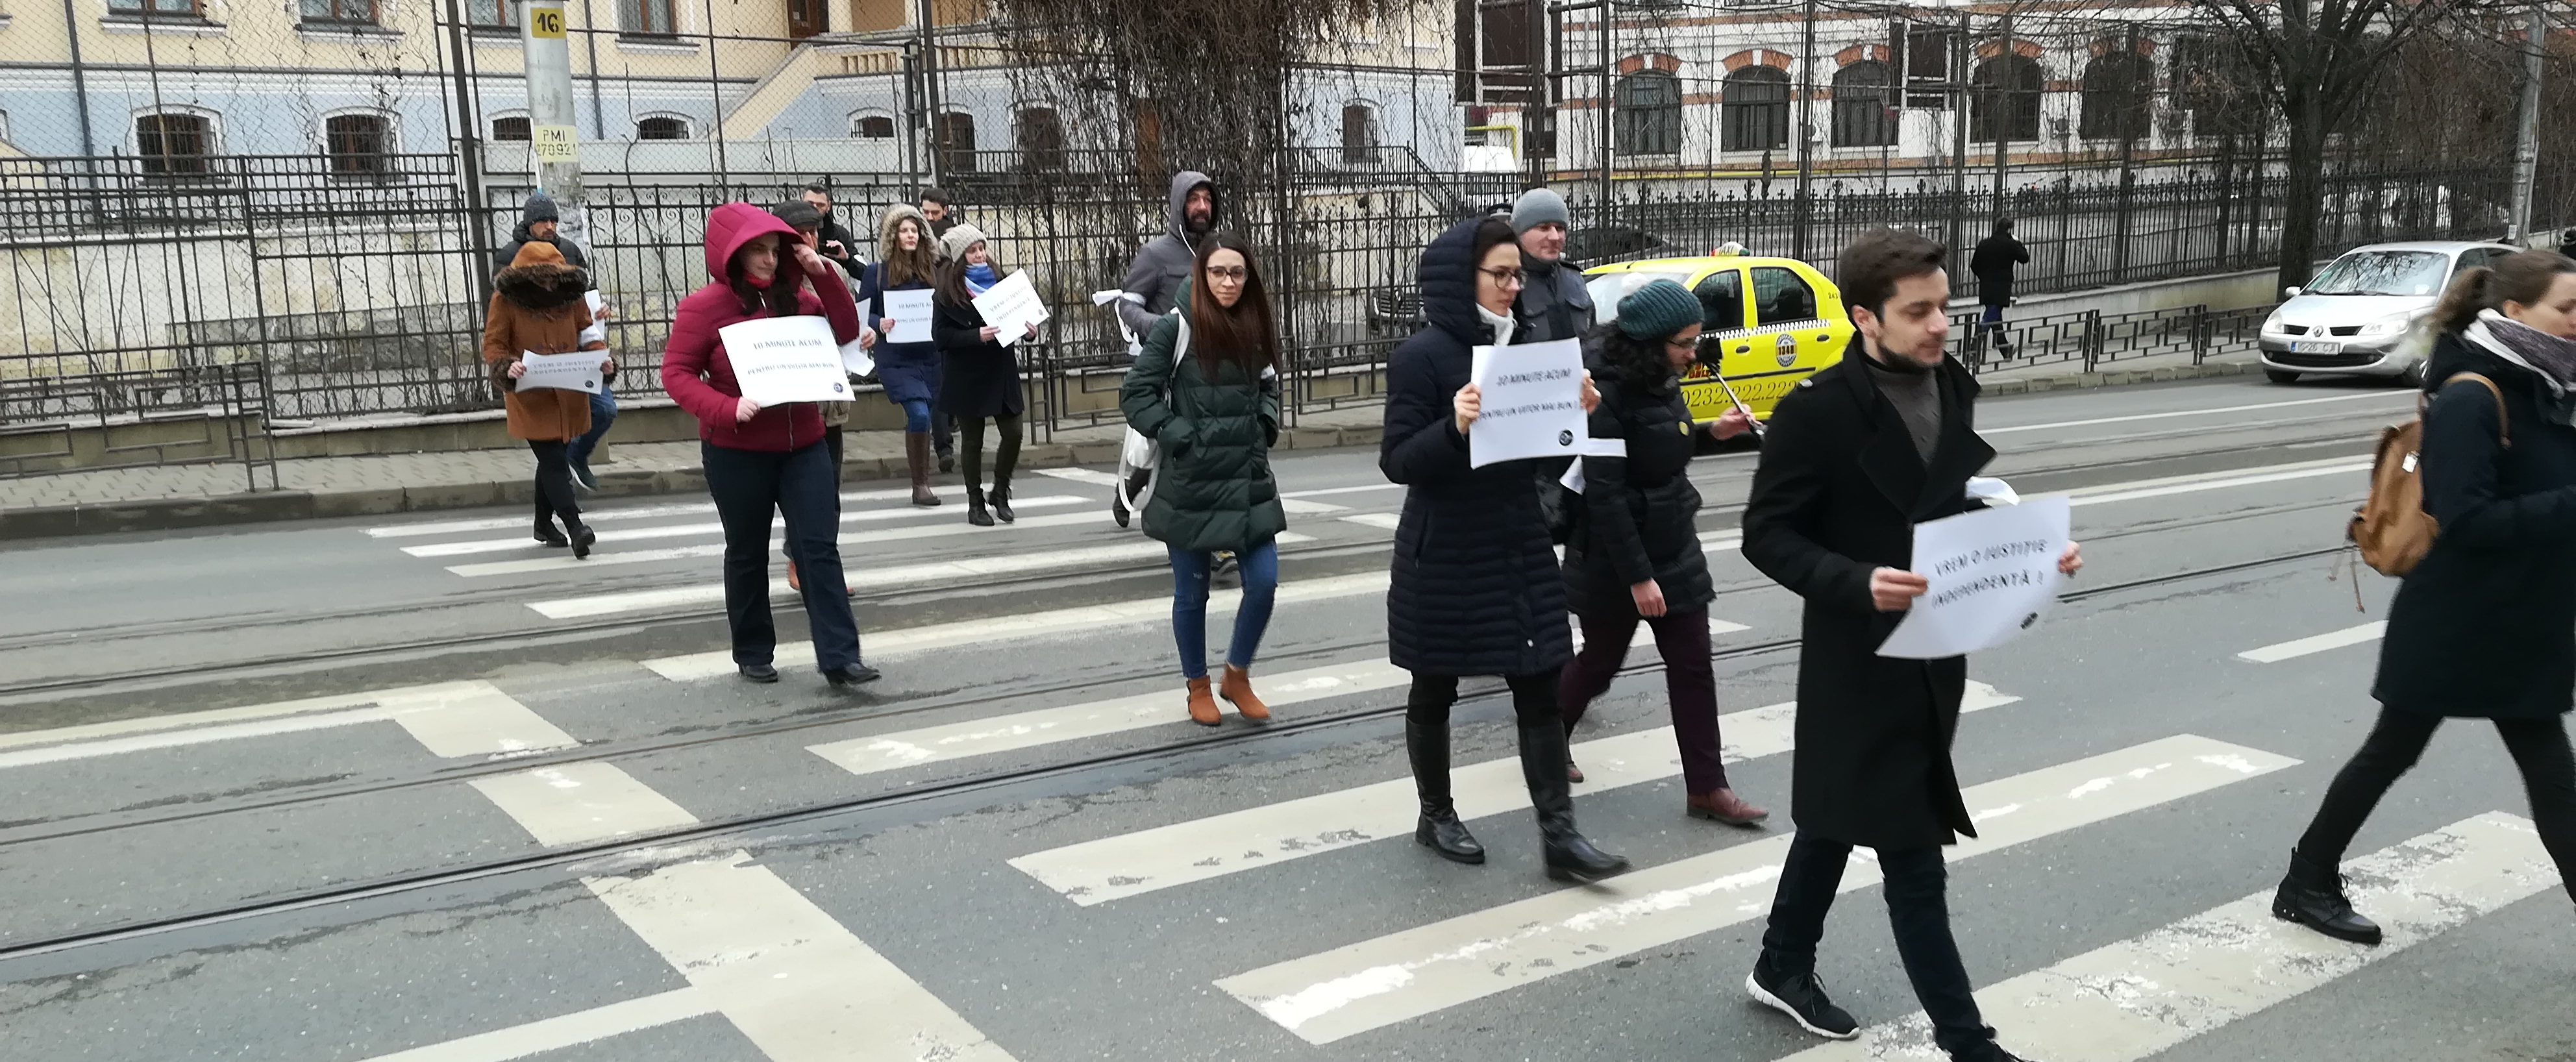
[1658,311]
[798,214]
[952,246]
[1537,207]
[541,207]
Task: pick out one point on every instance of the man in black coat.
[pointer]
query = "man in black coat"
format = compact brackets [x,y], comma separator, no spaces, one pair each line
[1855,457]
[1996,258]
[833,240]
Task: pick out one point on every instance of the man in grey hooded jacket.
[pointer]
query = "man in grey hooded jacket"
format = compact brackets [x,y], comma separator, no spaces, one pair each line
[1154,282]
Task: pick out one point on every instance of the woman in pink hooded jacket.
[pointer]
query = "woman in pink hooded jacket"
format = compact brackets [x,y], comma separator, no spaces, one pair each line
[764,461]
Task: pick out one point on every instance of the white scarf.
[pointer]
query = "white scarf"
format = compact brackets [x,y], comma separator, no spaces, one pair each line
[1502,324]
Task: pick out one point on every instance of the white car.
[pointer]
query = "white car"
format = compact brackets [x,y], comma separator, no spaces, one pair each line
[2361,315]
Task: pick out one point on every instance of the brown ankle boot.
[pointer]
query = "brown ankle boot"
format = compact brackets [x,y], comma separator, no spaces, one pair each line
[916,458]
[1238,692]
[1202,703]
[1723,805]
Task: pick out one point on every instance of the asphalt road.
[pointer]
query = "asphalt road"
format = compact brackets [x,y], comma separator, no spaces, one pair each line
[425,791]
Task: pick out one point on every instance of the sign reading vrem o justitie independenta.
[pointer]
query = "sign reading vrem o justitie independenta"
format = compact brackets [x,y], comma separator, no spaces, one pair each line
[779,360]
[1530,401]
[1992,575]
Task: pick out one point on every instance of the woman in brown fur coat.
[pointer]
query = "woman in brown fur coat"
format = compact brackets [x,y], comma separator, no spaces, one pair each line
[537,308]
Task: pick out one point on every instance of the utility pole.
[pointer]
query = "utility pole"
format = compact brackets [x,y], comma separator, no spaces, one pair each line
[552,139]
[2526,154]
[469,154]
[1806,133]
[2008,97]
[1540,105]
[1959,55]
[1609,72]
[937,163]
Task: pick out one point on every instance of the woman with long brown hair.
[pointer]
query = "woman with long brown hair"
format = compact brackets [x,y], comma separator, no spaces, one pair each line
[907,260]
[1206,387]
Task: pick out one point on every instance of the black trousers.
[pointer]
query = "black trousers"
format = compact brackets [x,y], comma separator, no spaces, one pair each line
[1918,908]
[1004,460]
[2539,748]
[751,487]
[554,485]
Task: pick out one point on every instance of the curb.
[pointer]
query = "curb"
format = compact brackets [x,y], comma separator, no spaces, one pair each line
[170,514]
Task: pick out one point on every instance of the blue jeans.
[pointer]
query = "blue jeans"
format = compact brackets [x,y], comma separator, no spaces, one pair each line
[603,412]
[1189,605]
[916,416]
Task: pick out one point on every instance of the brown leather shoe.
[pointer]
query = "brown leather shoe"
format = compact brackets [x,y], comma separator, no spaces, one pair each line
[1202,703]
[1237,691]
[1724,806]
[1573,773]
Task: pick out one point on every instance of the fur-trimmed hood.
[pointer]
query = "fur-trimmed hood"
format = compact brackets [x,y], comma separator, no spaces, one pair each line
[922,261]
[539,279]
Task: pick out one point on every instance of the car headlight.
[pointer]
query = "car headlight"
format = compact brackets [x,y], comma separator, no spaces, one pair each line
[2388,326]
[2272,323]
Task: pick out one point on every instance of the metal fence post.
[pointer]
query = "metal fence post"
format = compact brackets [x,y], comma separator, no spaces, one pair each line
[2092,340]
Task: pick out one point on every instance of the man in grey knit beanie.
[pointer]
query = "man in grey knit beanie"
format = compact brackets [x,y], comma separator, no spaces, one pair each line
[1553,303]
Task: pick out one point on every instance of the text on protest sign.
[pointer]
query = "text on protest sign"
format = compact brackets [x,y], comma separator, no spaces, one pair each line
[1530,402]
[781,360]
[1991,575]
[577,371]
[1012,307]
[911,313]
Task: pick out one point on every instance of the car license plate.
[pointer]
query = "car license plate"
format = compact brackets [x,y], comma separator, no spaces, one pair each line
[2313,347]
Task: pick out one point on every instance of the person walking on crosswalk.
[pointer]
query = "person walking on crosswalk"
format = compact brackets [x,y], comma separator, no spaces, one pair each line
[1856,455]
[1154,282]
[538,308]
[764,463]
[1634,553]
[1474,589]
[809,222]
[2484,626]
[979,376]
[1206,387]
[908,368]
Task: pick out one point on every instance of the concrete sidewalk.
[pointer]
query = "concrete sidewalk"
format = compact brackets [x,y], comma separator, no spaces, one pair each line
[158,498]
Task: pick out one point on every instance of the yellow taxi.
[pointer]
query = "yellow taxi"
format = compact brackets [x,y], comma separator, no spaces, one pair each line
[1791,326]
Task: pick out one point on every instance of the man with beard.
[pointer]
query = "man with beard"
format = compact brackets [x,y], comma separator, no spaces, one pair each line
[1553,303]
[1154,283]
[833,240]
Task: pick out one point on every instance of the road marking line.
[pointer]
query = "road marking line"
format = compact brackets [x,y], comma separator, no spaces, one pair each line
[643,534]
[1330,491]
[2120,492]
[569,1030]
[2273,654]
[452,719]
[2132,418]
[582,803]
[1045,726]
[1081,475]
[2144,995]
[1376,983]
[563,561]
[1114,868]
[1084,619]
[1381,521]
[1303,507]
[640,512]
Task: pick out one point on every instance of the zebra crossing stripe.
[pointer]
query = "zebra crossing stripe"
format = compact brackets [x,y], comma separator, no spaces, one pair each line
[1372,984]
[2141,996]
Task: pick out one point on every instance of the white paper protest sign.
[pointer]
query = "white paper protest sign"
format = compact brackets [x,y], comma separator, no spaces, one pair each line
[1530,402]
[577,371]
[911,313]
[1993,574]
[1012,307]
[779,360]
[598,330]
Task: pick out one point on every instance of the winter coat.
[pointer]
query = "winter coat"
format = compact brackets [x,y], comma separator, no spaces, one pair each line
[1553,303]
[1993,264]
[1837,496]
[979,377]
[909,372]
[1640,516]
[2485,626]
[695,371]
[1474,588]
[1165,263]
[537,308]
[1213,489]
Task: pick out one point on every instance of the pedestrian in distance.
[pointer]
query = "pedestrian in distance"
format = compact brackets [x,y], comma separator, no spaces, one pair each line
[2484,626]
[1154,283]
[832,239]
[801,215]
[541,222]
[1856,455]
[1474,587]
[908,371]
[538,308]
[937,208]
[1998,257]
[1634,553]
[1553,303]
[980,377]
[941,214]
[763,462]
[1206,388]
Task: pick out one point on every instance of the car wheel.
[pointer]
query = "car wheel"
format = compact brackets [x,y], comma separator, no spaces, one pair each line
[2280,376]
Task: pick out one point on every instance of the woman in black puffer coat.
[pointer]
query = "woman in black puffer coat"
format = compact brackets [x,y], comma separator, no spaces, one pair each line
[1474,588]
[2484,627]
[1635,552]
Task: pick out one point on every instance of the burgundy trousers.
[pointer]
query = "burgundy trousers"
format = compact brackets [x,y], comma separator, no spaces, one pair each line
[1689,683]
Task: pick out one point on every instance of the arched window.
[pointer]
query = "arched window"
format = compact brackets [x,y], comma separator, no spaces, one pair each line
[2116,96]
[1864,105]
[956,139]
[174,143]
[662,127]
[2007,91]
[358,144]
[1756,109]
[510,130]
[872,126]
[1650,113]
[2213,79]
[1359,134]
[1039,132]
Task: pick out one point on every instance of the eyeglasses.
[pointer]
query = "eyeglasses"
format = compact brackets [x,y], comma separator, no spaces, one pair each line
[1233,273]
[1504,278]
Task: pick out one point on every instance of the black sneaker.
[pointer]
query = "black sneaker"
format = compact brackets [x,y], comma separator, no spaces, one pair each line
[582,477]
[1803,998]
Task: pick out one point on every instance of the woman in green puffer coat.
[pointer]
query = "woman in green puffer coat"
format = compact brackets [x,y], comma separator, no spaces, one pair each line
[1206,389]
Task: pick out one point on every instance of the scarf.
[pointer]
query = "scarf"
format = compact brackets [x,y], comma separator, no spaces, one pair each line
[981,278]
[2548,359]
[1502,325]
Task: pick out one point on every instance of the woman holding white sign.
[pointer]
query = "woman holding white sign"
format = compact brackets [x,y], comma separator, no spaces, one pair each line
[979,376]
[761,462]
[896,293]
[538,308]
[1474,588]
